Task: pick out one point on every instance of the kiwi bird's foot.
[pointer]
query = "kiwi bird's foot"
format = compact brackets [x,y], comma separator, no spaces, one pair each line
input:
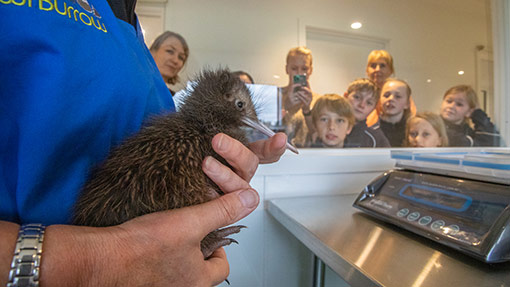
[218,238]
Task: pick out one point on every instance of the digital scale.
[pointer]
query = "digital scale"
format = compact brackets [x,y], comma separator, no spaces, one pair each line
[459,199]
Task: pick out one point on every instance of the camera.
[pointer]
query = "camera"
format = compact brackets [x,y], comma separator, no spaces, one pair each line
[300,79]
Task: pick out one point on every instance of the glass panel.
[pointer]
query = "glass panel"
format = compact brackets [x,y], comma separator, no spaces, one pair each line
[435,44]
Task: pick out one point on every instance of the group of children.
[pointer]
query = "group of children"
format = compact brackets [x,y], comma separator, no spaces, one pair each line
[341,121]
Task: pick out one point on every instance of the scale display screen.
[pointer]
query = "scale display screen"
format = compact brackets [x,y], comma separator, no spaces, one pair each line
[468,215]
[436,197]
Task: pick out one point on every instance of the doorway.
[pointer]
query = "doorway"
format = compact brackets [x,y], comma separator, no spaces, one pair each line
[338,58]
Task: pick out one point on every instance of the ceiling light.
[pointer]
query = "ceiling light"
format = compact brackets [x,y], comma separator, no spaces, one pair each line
[461,72]
[276,76]
[356,25]
[429,80]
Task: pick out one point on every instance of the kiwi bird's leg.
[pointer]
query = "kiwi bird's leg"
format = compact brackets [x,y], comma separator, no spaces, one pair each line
[265,130]
[218,238]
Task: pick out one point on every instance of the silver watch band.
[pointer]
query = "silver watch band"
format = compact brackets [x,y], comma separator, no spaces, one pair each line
[27,256]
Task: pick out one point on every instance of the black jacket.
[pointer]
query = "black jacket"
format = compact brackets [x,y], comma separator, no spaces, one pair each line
[484,134]
[364,136]
[395,133]
[124,10]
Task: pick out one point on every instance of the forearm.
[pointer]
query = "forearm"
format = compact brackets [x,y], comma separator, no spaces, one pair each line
[68,257]
[309,124]
[482,122]
[72,256]
[485,133]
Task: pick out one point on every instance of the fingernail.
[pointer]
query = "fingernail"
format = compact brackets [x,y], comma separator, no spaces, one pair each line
[210,164]
[249,198]
[223,143]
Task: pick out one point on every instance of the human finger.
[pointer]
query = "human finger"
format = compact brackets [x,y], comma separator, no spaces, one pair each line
[296,85]
[271,149]
[223,176]
[243,161]
[303,98]
[220,212]
[307,92]
[294,99]
[217,266]
[296,88]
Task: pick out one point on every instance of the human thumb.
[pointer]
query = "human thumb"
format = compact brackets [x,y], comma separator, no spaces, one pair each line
[226,209]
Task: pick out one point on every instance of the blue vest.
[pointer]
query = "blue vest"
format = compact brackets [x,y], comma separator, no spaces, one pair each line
[74,82]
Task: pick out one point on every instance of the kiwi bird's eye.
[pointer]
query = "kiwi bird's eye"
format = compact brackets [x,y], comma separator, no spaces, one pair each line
[239,104]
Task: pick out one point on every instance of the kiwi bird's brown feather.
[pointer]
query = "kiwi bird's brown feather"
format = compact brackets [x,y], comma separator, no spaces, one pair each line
[160,167]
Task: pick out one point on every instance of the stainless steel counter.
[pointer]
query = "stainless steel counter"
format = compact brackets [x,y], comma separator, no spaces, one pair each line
[368,252]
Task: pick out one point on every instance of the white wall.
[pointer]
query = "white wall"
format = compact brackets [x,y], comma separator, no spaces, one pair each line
[429,39]
[268,255]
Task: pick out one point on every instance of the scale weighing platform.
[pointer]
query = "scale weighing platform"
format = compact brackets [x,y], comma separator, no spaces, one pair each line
[459,199]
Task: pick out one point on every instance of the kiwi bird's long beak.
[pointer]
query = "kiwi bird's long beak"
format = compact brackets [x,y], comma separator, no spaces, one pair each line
[265,130]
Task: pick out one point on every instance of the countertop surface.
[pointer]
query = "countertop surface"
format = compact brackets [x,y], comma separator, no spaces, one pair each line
[365,251]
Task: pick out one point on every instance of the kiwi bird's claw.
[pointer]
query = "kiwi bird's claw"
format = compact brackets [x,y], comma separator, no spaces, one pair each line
[218,239]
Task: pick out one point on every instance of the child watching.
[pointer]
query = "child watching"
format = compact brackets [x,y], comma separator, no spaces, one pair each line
[426,130]
[333,120]
[363,95]
[395,95]
[459,107]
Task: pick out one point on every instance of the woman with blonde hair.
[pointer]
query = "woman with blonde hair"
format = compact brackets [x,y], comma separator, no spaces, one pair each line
[297,96]
[379,69]
[170,52]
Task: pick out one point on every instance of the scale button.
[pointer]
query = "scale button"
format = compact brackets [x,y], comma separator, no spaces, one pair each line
[438,224]
[403,212]
[413,216]
[425,220]
[453,229]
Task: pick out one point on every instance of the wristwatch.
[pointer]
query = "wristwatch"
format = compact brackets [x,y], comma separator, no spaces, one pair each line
[27,256]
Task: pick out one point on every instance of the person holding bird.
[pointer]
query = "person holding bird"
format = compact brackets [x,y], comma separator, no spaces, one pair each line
[96,85]
[159,168]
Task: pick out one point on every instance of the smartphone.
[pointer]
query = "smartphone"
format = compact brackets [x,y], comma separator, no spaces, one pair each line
[300,79]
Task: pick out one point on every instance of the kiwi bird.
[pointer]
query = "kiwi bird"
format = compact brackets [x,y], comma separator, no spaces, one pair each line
[160,167]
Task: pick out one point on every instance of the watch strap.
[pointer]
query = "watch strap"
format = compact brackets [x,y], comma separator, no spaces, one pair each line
[27,256]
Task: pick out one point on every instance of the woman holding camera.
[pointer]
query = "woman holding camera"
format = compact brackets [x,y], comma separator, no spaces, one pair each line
[297,96]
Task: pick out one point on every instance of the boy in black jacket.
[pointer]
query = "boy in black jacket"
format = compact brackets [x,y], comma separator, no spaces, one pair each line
[363,95]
